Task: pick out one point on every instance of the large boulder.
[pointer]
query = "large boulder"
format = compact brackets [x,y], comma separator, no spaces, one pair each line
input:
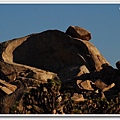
[54,51]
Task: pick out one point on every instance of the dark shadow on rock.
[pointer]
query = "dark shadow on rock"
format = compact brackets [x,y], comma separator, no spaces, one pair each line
[39,51]
[108,74]
[53,51]
[42,51]
[3,76]
[84,52]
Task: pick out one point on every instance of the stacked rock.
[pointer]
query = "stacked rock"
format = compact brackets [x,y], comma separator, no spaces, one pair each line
[78,32]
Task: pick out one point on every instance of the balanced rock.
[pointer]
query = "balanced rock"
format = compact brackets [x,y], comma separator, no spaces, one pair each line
[78,32]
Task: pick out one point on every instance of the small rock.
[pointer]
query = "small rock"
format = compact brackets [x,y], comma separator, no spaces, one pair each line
[8,85]
[6,90]
[59,99]
[77,98]
[54,111]
[28,112]
[83,70]
[29,107]
[99,84]
[86,85]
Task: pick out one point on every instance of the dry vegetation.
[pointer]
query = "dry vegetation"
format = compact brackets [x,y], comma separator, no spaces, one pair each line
[51,98]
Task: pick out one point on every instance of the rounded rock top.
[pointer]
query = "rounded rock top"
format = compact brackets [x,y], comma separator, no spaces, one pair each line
[78,32]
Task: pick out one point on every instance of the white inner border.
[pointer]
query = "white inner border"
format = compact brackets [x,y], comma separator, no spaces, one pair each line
[60,2]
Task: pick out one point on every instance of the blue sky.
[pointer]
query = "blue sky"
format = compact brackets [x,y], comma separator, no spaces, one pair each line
[102,20]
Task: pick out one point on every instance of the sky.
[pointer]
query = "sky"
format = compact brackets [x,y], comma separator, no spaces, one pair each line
[102,20]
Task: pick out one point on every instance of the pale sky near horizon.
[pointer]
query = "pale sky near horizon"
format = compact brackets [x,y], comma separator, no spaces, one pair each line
[102,20]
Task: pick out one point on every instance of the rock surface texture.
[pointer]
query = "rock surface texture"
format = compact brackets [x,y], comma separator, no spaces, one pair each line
[28,62]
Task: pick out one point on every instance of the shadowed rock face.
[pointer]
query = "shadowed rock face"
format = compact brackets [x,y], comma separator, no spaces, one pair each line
[42,50]
[52,50]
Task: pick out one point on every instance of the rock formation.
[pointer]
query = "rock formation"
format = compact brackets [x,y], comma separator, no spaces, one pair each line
[31,60]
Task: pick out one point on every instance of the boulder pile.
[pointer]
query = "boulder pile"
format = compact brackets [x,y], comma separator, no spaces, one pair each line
[29,62]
